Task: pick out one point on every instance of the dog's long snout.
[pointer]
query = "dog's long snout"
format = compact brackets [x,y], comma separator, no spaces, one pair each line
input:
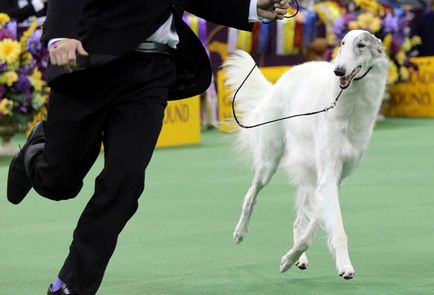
[340,71]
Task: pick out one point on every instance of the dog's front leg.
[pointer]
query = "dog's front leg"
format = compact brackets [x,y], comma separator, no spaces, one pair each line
[330,217]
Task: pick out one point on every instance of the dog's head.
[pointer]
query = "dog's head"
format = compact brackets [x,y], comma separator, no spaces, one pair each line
[358,53]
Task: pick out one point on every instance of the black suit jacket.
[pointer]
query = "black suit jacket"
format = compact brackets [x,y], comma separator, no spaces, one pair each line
[112,28]
[14,11]
[8,4]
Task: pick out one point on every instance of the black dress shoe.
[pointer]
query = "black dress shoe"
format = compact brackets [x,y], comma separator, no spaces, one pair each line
[18,181]
[64,290]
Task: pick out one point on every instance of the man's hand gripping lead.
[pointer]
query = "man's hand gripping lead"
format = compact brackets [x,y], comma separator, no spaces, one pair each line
[273,9]
[64,53]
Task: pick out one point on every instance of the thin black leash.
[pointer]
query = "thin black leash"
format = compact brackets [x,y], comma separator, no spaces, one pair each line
[332,105]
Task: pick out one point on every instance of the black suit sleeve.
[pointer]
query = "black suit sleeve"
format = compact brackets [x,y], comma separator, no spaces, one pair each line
[230,13]
[62,19]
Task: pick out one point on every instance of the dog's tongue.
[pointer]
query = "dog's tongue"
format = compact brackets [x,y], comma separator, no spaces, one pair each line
[344,82]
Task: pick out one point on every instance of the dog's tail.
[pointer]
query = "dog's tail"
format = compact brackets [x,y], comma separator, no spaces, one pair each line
[253,105]
[255,87]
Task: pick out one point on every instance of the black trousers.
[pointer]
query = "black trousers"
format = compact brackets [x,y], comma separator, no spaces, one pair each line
[122,105]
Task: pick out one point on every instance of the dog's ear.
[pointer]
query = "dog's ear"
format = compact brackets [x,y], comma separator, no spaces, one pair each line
[377,47]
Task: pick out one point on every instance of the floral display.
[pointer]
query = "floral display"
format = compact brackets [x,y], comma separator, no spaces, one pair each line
[23,63]
[389,23]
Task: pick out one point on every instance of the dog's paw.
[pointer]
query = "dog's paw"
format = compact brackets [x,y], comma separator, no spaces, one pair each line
[302,262]
[347,272]
[239,235]
[286,262]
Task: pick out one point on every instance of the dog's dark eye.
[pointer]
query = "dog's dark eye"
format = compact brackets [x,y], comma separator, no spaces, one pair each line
[361,45]
[342,43]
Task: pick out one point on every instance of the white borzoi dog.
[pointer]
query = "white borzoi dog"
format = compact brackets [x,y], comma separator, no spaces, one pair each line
[318,151]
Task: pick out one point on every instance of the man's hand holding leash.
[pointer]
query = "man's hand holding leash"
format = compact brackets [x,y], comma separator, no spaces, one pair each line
[272,9]
[64,52]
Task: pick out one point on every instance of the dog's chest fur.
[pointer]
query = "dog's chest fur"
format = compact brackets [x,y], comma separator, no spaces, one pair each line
[351,125]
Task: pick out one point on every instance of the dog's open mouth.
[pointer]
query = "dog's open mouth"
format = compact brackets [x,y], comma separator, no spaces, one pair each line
[345,81]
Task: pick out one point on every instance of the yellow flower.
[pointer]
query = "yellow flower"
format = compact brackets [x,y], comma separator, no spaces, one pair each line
[38,101]
[404,73]
[6,106]
[370,5]
[406,45]
[9,51]
[335,52]
[26,58]
[36,80]
[375,25]
[10,78]
[27,34]
[387,42]
[331,38]
[415,40]
[401,57]
[4,19]
[353,25]
[41,115]
[392,76]
[369,21]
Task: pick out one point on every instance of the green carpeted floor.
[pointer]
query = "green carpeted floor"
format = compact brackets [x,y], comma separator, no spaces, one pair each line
[180,240]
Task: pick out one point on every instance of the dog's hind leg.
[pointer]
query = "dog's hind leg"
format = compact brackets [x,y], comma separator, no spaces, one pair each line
[330,217]
[266,161]
[301,245]
[304,213]
[261,178]
[304,230]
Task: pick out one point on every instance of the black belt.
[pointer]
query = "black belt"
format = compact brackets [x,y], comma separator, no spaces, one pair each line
[152,47]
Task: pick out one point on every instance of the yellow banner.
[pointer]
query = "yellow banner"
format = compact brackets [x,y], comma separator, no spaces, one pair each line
[225,117]
[244,41]
[181,125]
[414,98]
[289,33]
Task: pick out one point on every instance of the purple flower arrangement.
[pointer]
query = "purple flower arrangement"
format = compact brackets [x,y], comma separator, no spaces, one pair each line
[23,64]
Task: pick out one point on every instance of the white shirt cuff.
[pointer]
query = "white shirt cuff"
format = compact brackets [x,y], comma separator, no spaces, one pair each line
[37,5]
[253,12]
[52,41]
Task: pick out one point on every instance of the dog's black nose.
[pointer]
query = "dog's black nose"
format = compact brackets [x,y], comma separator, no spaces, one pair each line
[340,71]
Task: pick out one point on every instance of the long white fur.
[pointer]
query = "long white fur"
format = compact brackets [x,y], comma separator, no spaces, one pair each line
[317,152]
